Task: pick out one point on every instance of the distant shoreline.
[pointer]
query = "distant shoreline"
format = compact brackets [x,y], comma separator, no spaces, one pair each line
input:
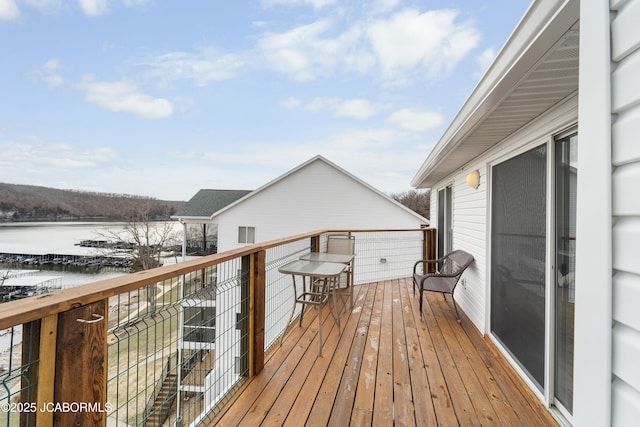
[74,219]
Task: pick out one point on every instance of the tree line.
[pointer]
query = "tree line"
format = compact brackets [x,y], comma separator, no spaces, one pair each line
[417,201]
[30,203]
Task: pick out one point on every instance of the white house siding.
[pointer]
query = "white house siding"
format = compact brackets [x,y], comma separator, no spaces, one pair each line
[314,197]
[471,207]
[470,231]
[625,98]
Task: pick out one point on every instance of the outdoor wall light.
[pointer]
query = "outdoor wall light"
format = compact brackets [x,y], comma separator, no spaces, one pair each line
[473,179]
[383,260]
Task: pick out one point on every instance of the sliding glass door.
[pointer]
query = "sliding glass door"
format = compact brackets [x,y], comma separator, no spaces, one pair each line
[518,258]
[533,241]
[566,170]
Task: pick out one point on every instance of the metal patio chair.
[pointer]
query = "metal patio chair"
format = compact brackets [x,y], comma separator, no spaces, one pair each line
[343,244]
[449,269]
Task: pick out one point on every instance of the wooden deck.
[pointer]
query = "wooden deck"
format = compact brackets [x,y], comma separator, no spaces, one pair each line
[387,367]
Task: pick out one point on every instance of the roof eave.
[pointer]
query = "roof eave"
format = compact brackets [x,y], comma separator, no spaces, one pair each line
[542,26]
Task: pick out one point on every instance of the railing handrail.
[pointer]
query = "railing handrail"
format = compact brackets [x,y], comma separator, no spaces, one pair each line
[26,310]
[62,347]
[29,309]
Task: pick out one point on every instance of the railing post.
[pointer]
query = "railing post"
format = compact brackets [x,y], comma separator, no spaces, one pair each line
[80,391]
[252,323]
[259,313]
[30,382]
[429,249]
[246,316]
[46,368]
[315,243]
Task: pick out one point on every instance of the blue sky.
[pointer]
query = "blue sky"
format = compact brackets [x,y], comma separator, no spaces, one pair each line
[164,97]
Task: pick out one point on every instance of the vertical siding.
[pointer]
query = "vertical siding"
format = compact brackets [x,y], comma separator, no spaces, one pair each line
[625,87]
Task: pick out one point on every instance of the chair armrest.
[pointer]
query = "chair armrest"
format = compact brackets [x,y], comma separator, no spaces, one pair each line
[425,261]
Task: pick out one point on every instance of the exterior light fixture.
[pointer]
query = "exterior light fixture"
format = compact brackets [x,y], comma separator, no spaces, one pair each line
[473,179]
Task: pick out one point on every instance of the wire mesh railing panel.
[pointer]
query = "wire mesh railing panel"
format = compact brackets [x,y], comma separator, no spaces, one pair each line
[142,351]
[18,374]
[279,295]
[386,255]
[215,360]
[178,349]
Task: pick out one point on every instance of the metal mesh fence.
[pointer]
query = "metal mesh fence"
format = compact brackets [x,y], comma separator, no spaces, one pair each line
[18,374]
[178,349]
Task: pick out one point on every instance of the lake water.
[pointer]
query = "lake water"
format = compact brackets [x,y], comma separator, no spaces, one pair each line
[59,238]
[39,238]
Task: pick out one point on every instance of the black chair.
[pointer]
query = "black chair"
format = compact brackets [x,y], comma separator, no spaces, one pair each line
[449,269]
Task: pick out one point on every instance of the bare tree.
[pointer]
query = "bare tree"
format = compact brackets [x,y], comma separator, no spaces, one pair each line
[202,236]
[145,241]
[417,201]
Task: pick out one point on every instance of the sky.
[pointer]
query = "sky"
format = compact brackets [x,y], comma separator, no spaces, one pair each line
[161,98]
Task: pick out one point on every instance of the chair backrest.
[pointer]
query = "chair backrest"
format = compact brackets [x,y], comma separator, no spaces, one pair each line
[342,244]
[456,262]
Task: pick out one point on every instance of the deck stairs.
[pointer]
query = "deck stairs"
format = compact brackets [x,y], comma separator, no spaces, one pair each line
[163,402]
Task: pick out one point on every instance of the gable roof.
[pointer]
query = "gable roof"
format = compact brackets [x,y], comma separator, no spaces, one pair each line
[536,69]
[319,158]
[207,202]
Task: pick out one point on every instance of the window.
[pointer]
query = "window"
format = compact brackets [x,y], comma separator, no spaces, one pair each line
[445,230]
[246,234]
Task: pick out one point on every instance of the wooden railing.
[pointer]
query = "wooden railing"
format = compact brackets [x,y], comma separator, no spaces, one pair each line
[70,336]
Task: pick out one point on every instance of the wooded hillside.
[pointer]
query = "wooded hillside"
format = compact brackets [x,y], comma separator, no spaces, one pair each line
[28,203]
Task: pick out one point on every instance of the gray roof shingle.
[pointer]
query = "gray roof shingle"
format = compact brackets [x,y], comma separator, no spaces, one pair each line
[207,202]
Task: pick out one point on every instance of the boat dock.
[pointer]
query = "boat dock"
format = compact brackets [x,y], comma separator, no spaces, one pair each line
[16,284]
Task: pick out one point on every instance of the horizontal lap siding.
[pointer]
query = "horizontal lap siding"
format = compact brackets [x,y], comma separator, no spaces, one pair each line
[471,209]
[469,234]
[470,231]
[625,87]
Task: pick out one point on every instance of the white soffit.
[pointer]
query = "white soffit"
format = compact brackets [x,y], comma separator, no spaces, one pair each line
[514,91]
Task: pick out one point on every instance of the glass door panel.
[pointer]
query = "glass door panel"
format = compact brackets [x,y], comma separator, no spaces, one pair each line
[444,221]
[566,166]
[518,254]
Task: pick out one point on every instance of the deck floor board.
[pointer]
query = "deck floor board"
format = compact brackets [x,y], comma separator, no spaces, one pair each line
[386,367]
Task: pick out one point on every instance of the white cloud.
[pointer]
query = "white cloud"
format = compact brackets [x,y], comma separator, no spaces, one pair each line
[45,6]
[431,43]
[48,73]
[291,103]
[132,3]
[317,4]
[485,59]
[125,97]
[202,67]
[89,7]
[416,120]
[406,46]
[94,7]
[356,108]
[35,154]
[381,6]
[373,155]
[301,52]
[8,10]
[353,108]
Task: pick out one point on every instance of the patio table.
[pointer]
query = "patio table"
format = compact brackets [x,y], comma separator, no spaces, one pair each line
[345,259]
[323,276]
